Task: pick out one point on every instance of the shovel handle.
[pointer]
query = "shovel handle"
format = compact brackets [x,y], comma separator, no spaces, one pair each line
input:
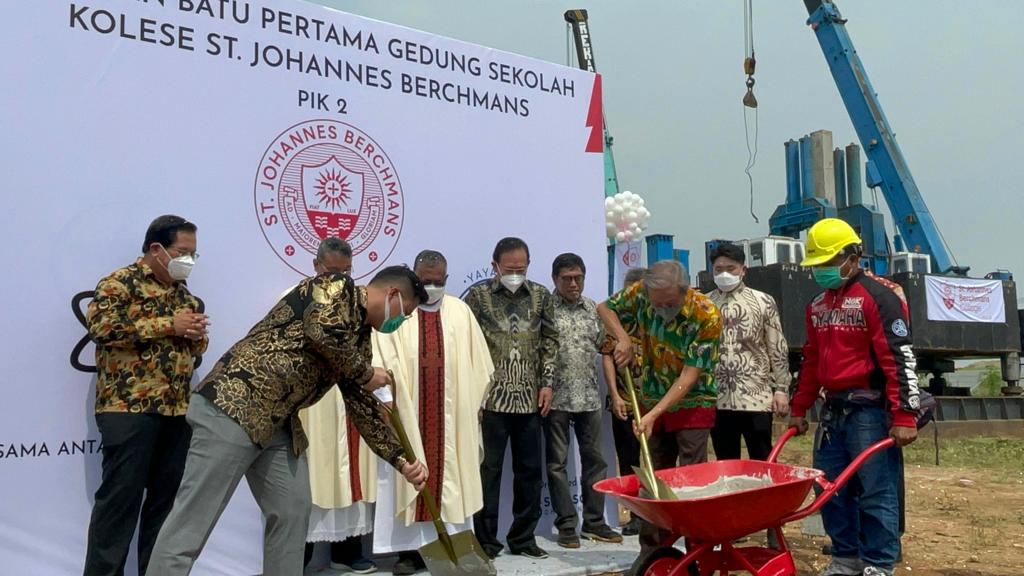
[410,456]
[645,454]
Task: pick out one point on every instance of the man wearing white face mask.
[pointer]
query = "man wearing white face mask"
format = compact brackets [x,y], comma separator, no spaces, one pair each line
[442,367]
[753,366]
[147,332]
[517,319]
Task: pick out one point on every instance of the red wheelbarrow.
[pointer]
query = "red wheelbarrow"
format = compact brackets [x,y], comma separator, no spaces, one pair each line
[710,524]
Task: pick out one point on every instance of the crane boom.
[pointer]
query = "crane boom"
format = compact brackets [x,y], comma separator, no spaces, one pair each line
[577,20]
[886,166]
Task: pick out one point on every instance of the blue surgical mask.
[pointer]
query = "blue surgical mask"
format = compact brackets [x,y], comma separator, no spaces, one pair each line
[391,324]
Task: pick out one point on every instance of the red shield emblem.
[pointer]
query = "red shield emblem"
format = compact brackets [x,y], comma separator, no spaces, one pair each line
[948,299]
[333,196]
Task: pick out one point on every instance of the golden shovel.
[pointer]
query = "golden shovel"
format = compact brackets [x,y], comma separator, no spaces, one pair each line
[650,482]
[458,554]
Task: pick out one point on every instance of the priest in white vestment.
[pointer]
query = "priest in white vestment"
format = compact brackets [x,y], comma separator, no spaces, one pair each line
[442,368]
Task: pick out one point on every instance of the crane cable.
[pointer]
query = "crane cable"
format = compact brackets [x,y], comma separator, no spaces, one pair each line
[749,101]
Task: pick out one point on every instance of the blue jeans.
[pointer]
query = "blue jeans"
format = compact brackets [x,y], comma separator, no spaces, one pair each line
[862,519]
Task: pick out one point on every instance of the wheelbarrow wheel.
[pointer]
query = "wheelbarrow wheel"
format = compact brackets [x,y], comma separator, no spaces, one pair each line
[660,562]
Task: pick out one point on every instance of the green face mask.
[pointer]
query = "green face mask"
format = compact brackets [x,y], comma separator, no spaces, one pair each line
[391,324]
[828,277]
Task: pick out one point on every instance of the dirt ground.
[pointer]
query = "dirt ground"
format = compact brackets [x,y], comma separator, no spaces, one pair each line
[964,518]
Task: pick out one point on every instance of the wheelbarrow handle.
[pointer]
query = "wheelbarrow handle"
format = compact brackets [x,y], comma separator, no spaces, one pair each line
[777,449]
[829,489]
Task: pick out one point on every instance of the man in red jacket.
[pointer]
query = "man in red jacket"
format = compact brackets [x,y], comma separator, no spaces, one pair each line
[859,352]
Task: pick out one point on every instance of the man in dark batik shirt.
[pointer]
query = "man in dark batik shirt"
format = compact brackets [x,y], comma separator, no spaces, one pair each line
[245,415]
[515,315]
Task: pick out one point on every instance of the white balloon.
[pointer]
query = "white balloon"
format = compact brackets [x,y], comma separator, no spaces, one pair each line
[619,210]
[642,202]
[620,236]
[632,215]
[608,202]
[610,215]
[628,235]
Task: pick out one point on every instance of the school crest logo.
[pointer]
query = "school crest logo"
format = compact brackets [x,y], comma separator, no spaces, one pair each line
[948,298]
[326,178]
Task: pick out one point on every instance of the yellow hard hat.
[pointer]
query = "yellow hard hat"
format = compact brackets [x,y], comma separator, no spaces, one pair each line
[827,238]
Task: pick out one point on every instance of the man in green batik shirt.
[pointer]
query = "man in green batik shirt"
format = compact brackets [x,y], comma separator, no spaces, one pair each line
[678,329]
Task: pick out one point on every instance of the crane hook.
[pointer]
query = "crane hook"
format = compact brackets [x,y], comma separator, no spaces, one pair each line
[748,67]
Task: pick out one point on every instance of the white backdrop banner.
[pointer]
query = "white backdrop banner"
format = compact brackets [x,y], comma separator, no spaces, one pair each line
[627,257]
[965,299]
[269,124]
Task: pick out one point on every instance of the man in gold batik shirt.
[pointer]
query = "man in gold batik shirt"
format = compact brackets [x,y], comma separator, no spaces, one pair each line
[245,415]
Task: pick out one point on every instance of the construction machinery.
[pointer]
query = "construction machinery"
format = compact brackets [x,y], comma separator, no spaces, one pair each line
[580,26]
[825,182]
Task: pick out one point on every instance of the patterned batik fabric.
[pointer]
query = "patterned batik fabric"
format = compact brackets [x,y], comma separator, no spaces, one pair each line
[580,335]
[689,339]
[753,354]
[522,340]
[141,366]
[314,338]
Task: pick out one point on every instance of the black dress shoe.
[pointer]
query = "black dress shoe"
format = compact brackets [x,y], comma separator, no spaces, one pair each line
[531,551]
[408,563]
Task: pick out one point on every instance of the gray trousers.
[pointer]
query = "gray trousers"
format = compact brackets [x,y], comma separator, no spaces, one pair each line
[587,427]
[219,455]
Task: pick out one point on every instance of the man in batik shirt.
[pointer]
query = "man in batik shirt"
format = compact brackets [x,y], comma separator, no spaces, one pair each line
[753,372]
[515,315]
[148,332]
[245,419]
[576,401]
[678,329]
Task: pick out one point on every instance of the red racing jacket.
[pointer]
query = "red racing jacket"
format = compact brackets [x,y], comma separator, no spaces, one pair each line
[858,336]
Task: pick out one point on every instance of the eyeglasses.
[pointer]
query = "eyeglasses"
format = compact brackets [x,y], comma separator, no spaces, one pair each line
[180,252]
[577,280]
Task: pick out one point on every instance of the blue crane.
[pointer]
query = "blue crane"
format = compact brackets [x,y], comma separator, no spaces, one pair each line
[886,166]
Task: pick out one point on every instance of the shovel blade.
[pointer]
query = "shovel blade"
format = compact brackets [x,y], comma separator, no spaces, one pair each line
[660,491]
[470,558]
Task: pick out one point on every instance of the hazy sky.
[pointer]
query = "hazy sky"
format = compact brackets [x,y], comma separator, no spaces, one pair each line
[947,73]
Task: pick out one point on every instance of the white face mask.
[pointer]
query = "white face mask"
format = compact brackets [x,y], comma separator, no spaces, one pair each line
[179,268]
[513,281]
[727,282]
[434,293]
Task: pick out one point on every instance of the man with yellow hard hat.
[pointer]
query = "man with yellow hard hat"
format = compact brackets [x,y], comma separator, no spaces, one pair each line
[859,352]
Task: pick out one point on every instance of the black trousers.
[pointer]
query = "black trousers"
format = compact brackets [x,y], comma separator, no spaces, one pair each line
[523,432]
[627,447]
[754,427]
[143,454]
